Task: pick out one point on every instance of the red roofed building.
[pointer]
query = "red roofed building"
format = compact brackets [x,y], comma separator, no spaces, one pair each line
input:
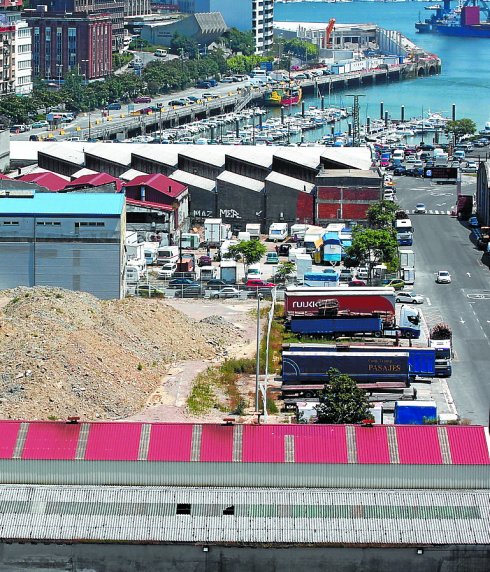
[159,192]
[95,180]
[48,180]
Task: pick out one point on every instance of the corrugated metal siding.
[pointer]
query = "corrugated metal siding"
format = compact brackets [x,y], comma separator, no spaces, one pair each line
[113,441]
[327,444]
[417,447]
[263,444]
[16,264]
[57,441]
[262,475]
[463,453]
[170,443]
[8,432]
[379,517]
[372,445]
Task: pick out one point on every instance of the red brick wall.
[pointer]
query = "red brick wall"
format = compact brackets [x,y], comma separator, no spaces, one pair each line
[355,211]
[362,194]
[327,211]
[328,193]
[305,208]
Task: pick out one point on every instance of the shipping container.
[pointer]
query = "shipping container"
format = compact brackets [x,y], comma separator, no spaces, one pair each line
[415,412]
[362,367]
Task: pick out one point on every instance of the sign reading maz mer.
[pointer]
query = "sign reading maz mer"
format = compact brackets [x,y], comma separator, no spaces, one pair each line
[441,172]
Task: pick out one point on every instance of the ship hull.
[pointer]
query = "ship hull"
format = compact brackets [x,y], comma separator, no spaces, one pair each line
[280,98]
[464,31]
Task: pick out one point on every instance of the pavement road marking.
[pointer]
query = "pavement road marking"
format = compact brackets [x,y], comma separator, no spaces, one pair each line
[469,275]
[461,319]
[429,303]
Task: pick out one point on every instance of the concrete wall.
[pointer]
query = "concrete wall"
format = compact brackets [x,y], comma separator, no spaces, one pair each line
[175,558]
[4,150]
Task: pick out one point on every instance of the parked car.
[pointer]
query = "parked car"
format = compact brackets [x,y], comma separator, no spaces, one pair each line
[416,172]
[210,95]
[149,291]
[443,277]
[113,106]
[345,275]
[356,282]
[177,102]
[471,167]
[409,298]
[362,273]
[167,270]
[420,208]
[193,291]
[258,283]
[142,99]
[204,260]
[193,99]
[271,258]
[182,283]
[400,170]
[227,292]
[226,80]
[216,284]
[203,85]
[40,125]
[396,283]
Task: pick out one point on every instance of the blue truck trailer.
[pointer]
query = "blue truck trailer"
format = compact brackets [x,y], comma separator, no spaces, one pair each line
[421,361]
[365,367]
[337,326]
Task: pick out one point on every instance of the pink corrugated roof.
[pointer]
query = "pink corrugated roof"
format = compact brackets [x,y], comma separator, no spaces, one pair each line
[216,443]
[160,183]
[95,180]
[49,180]
[46,441]
[320,444]
[262,444]
[113,442]
[418,445]
[170,443]
[8,438]
[459,440]
[372,445]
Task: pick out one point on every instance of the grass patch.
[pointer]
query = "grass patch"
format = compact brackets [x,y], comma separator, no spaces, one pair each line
[216,388]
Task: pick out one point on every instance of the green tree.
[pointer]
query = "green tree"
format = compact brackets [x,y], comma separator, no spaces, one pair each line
[240,42]
[461,127]
[301,49]
[251,251]
[341,401]
[382,214]
[373,246]
[284,271]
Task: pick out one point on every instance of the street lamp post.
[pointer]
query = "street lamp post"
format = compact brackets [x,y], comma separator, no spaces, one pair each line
[60,69]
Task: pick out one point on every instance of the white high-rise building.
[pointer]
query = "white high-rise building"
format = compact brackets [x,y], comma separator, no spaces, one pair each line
[23,51]
[255,15]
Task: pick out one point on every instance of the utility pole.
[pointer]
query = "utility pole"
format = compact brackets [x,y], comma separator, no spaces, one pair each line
[356,124]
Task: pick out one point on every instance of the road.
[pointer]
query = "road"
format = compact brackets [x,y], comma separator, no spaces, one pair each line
[442,243]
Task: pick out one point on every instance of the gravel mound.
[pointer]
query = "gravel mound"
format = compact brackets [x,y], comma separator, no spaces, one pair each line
[68,353]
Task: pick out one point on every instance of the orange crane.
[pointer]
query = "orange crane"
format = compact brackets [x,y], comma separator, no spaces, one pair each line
[328,31]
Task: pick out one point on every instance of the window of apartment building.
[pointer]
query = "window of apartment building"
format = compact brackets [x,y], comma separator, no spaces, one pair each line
[48,51]
[72,47]
[59,45]
[25,33]
[23,48]
[24,65]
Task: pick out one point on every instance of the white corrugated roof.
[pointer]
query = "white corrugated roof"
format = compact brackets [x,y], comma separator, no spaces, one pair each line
[28,150]
[260,516]
[260,155]
[194,180]
[290,182]
[356,157]
[241,181]
[165,154]
[306,156]
[119,153]
[83,172]
[211,154]
[131,174]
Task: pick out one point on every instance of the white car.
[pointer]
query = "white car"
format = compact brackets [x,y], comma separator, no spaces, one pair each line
[409,298]
[362,273]
[443,277]
[420,208]
[471,167]
[167,270]
[228,292]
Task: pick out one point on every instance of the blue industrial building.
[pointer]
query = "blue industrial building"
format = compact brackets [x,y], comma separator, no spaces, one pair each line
[73,241]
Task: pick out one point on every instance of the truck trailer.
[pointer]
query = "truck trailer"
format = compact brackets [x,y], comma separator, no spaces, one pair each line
[341,325]
[304,374]
[308,301]
[421,361]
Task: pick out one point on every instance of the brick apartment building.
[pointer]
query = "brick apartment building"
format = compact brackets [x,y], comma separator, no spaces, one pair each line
[63,42]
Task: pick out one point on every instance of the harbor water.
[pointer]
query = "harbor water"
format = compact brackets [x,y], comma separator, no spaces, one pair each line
[465,77]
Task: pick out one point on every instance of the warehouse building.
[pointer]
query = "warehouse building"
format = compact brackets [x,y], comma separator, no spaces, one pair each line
[241,200]
[202,195]
[119,495]
[288,200]
[73,241]
[162,159]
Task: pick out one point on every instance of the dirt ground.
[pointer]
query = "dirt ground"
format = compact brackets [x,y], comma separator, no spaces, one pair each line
[168,402]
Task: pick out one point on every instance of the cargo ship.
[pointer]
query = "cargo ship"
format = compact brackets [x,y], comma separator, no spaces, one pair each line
[462,22]
[283,96]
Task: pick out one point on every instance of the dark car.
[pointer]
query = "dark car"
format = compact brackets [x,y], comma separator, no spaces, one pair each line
[415,172]
[142,99]
[177,102]
[216,284]
[194,291]
[284,249]
[114,105]
[204,261]
[203,84]
[182,283]
[399,170]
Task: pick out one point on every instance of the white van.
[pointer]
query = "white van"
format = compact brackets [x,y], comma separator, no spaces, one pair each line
[167,254]
[254,271]
[398,155]
[161,53]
